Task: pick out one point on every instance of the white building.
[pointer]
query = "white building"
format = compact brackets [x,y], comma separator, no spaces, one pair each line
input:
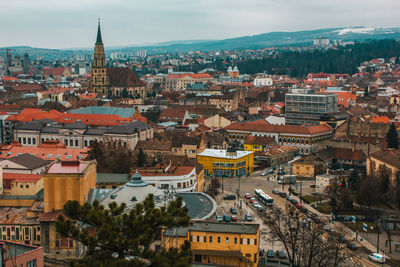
[263,81]
[323,181]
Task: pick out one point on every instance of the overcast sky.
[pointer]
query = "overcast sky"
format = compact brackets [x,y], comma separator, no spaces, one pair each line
[72,23]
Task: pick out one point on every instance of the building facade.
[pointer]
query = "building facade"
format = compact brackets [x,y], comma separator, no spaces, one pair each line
[226,163]
[217,244]
[304,107]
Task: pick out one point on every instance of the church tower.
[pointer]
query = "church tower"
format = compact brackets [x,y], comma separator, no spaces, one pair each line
[99,71]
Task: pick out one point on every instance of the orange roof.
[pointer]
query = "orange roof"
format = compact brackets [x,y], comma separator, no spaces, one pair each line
[31,114]
[344,98]
[378,119]
[88,96]
[53,71]
[49,151]
[9,78]
[22,177]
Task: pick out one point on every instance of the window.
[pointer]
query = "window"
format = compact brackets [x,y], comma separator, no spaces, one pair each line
[227,240]
[210,239]
[29,140]
[71,243]
[76,142]
[235,240]
[255,241]
[204,239]
[34,141]
[21,186]
[27,186]
[198,238]
[248,241]
[241,241]
[219,239]
[24,140]
[179,185]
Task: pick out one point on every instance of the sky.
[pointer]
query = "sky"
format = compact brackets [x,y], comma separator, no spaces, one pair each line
[73,23]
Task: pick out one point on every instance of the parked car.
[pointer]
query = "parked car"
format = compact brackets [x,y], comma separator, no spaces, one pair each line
[264,173]
[271,170]
[299,206]
[280,254]
[351,246]
[377,257]
[256,204]
[230,197]
[283,194]
[219,218]
[247,196]
[281,172]
[233,211]
[248,218]
[234,218]
[348,218]
[290,198]
[253,199]
[260,208]
[226,218]
[275,192]
[270,253]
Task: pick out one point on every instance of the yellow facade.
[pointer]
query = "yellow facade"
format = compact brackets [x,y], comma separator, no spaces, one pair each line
[61,187]
[227,166]
[220,248]
[25,188]
[251,147]
[305,170]
[372,161]
[200,181]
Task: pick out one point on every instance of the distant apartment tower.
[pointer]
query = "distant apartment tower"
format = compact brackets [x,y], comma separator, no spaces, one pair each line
[321,41]
[303,106]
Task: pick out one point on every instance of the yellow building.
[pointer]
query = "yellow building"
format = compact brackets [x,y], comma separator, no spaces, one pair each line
[188,146]
[218,243]
[308,167]
[387,157]
[226,163]
[68,180]
[258,143]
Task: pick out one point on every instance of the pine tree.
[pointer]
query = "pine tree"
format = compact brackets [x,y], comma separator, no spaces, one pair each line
[392,137]
[141,158]
[116,237]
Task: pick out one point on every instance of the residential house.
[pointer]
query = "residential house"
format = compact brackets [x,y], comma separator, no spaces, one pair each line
[19,254]
[389,158]
[25,164]
[174,115]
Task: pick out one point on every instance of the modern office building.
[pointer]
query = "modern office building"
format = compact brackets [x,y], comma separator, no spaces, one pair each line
[303,106]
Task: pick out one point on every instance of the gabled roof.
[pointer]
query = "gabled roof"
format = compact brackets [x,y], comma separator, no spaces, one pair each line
[22,177]
[389,156]
[123,77]
[170,114]
[29,161]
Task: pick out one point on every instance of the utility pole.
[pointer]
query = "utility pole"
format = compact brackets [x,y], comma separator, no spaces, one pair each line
[377,243]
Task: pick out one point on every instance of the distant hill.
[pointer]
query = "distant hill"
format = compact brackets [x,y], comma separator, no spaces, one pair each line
[246,42]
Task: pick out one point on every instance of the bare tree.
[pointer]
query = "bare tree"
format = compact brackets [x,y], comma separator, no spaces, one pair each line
[304,241]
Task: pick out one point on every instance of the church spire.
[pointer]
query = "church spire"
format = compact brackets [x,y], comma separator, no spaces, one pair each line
[98,40]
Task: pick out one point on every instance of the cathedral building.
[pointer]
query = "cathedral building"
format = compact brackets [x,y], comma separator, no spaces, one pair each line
[117,82]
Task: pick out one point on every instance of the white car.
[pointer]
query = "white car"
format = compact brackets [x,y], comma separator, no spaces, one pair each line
[377,257]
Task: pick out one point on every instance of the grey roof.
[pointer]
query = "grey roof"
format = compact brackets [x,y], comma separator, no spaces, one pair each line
[95,131]
[50,129]
[133,192]
[17,249]
[123,112]
[241,228]
[216,227]
[201,206]
[113,178]
[29,161]
[128,128]
[76,125]
[31,126]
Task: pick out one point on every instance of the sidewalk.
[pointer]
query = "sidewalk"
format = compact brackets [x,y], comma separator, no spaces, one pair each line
[350,234]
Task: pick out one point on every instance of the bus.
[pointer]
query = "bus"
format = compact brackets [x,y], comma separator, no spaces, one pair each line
[264,198]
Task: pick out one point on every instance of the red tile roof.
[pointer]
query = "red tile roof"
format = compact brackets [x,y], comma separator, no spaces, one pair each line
[22,177]
[57,90]
[68,167]
[9,78]
[31,114]
[47,151]
[384,119]
[344,98]
[193,75]
[25,87]
[53,71]
[170,114]
[92,119]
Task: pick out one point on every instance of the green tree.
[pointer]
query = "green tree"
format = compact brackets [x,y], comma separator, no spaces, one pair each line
[392,137]
[117,237]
